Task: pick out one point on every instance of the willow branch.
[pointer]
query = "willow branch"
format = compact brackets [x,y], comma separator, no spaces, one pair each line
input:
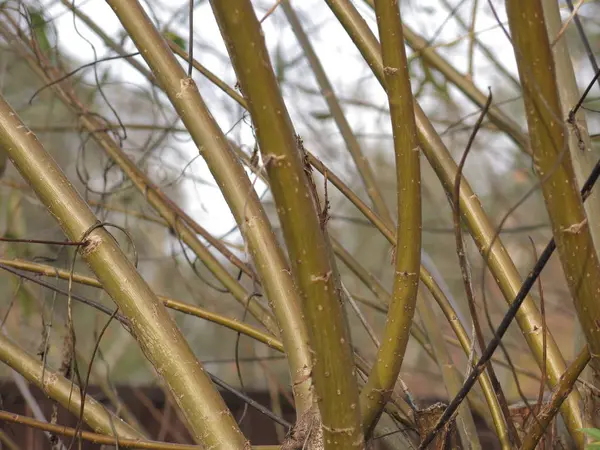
[576,126]
[63,391]
[489,245]
[464,84]
[390,355]
[156,332]
[553,166]
[170,303]
[296,199]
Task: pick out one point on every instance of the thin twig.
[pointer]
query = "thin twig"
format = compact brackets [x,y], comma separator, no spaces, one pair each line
[544,328]
[506,321]
[566,23]
[92,437]
[466,274]
[561,392]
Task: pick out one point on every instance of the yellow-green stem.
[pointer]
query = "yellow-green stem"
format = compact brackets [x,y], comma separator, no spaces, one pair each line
[580,146]
[236,187]
[156,332]
[303,226]
[390,354]
[483,232]
[553,166]
[63,391]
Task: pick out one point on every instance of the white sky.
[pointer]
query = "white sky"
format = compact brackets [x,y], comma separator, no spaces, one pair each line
[341,61]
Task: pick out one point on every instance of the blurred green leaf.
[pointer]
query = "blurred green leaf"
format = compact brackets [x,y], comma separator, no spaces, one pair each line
[176,39]
[39,29]
[105,76]
[595,433]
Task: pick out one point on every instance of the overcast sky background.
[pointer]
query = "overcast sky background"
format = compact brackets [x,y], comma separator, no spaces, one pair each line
[341,61]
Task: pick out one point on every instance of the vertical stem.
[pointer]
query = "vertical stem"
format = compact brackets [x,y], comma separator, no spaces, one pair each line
[236,188]
[553,166]
[580,146]
[483,232]
[408,235]
[303,226]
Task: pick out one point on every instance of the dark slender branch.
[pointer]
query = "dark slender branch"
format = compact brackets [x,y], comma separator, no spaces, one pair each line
[260,408]
[586,43]
[125,322]
[506,321]
[100,307]
[73,72]
[39,241]
[466,275]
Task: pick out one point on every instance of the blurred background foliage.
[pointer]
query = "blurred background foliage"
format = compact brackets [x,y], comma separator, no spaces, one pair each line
[151,135]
